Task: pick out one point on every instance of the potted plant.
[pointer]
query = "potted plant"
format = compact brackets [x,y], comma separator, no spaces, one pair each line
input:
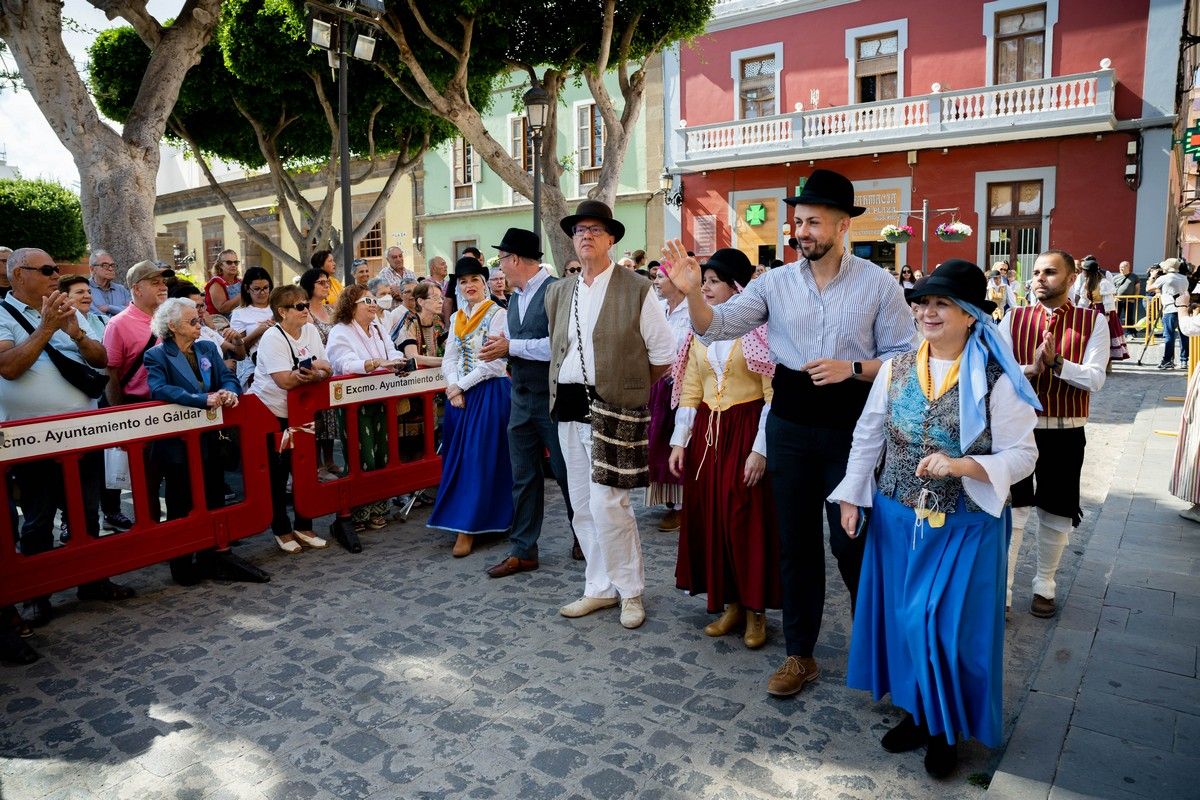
[896,234]
[953,231]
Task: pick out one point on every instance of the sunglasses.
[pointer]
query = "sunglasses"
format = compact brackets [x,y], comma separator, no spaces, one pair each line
[48,270]
[572,270]
[299,306]
[230,263]
[367,299]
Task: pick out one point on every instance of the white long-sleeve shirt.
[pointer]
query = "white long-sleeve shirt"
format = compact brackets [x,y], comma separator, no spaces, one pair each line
[1108,294]
[1013,456]
[350,347]
[452,362]
[531,349]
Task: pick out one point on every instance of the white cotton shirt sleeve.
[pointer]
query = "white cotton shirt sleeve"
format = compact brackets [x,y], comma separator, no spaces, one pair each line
[760,438]
[451,357]
[1089,375]
[1014,452]
[858,487]
[685,418]
[657,334]
[1189,324]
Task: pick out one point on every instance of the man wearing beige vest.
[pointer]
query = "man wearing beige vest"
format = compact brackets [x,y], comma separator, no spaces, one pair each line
[609,341]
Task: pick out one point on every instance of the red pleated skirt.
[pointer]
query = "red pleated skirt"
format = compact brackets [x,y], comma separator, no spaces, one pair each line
[728,540]
[662,426]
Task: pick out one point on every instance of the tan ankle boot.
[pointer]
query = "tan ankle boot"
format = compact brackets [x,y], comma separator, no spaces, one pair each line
[463,544]
[727,622]
[756,630]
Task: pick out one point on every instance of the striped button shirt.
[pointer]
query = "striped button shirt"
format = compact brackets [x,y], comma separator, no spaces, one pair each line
[859,316]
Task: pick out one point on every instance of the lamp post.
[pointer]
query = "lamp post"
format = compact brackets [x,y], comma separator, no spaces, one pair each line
[537,106]
[924,215]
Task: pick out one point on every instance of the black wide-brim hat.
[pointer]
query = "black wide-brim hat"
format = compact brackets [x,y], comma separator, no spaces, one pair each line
[469,265]
[956,279]
[593,209]
[827,188]
[730,264]
[521,242]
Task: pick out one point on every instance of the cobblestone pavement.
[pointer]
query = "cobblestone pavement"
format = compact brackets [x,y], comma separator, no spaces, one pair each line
[405,673]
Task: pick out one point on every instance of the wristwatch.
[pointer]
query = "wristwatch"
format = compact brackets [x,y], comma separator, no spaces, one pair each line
[1058,362]
[856,368]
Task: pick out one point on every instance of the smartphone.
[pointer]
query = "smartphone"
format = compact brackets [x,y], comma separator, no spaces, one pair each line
[306,363]
[861,528]
[406,366]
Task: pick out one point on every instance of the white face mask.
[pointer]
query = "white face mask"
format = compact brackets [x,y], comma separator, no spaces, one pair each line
[384,302]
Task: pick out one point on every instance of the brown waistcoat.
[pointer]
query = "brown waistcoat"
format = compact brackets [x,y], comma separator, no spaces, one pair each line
[622,361]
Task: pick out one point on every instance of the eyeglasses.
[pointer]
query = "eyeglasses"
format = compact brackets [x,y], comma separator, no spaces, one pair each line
[229,263]
[260,288]
[201,307]
[106,264]
[299,306]
[322,282]
[194,322]
[367,299]
[48,270]
[573,270]
[592,230]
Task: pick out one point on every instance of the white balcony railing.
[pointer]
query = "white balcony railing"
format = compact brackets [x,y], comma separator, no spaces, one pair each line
[1053,105]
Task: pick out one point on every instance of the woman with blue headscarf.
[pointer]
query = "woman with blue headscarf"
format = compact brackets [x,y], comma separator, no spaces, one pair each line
[953,423]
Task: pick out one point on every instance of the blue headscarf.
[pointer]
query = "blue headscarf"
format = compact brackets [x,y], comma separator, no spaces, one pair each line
[972,374]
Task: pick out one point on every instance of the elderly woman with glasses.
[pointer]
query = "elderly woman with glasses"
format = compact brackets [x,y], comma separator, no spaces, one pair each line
[475,495]
[290,355]
[359,346]
[187,370]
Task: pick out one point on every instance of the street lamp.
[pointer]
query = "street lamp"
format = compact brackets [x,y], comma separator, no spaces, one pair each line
[537,108]
[666,183]
[344,28]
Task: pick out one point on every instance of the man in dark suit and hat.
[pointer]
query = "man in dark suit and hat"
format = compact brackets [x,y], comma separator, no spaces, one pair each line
[831,319]
[530,429]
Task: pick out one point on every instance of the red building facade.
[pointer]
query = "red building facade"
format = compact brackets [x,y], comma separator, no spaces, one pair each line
[1038,124]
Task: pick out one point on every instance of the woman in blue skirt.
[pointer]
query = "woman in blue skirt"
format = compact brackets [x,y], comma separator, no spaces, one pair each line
[475,495]
[954,424]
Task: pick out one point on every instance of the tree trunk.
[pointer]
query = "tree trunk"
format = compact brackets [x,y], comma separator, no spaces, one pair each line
[118,192]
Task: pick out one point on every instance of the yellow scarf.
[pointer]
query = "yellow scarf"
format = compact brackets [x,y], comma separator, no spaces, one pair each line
[464,326]
[926,379]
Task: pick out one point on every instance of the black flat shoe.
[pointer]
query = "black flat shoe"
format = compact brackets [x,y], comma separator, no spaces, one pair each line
[39,612]
[941,758]
[104,590]
[906,736]
[15,651]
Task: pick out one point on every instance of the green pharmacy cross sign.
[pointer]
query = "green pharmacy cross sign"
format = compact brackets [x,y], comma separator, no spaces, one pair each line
[756,214]
[1191,140]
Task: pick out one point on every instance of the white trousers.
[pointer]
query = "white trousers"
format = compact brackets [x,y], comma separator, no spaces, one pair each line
[1052,535]
[604,522]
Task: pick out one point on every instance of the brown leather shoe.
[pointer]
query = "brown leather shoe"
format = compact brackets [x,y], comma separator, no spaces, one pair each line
[463,545]
[670,521]
[511,566]
[576,551]
[1042,606]
[728,622]
[791,677]
[756,630]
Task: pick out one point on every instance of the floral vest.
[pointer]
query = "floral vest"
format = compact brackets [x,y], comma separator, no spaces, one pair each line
[915,428]
[470,342]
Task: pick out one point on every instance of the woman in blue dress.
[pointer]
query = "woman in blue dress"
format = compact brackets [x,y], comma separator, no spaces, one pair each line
[475,495]
[954,423]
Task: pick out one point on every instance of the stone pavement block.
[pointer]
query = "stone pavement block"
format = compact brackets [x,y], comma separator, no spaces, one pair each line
[1147,652]
[1187,605]
[1142,683]
[1068,654]
[1092,761]
[1030,760]
[1079,611]
[1153,726]
[1139,599]
[1170,574]
[1165,628]
[1187,734]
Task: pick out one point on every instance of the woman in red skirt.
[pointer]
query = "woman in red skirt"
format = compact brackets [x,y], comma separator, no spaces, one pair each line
[728,542]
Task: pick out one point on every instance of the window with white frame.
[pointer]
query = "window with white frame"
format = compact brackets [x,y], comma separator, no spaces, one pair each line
[589,146]
[1020,44]
[756,86]
[520,142]
[876,68]
[467,172]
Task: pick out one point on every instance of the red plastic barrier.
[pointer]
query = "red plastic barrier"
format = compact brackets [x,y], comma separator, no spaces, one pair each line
[314,498]
[66,438]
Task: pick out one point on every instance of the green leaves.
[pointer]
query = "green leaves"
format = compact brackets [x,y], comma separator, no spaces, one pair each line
[41,214]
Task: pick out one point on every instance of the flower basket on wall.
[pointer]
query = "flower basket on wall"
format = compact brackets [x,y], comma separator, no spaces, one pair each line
[896,234]
[953,231]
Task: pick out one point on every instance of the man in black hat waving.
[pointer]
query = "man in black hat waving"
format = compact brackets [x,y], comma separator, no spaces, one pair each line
[831,318]
[530,429]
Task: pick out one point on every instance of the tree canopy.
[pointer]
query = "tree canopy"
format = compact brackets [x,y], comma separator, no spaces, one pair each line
[43,215]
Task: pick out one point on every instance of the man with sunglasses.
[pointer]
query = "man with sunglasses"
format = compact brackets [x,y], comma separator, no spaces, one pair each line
[111,298]
[33,386]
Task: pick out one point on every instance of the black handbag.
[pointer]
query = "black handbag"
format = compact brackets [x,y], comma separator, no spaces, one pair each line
[81,376]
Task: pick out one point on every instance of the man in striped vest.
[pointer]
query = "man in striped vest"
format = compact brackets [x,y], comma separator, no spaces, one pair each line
[1064,350]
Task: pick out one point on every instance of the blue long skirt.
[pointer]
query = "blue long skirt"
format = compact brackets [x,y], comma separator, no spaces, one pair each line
[929,623]
[475,495]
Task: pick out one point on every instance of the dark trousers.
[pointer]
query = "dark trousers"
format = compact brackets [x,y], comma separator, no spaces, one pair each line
[1171,333]
[40,484]
[280,465]
[527,441]
[805,465]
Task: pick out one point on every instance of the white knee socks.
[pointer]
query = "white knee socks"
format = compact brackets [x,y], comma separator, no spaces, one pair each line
[1052,536]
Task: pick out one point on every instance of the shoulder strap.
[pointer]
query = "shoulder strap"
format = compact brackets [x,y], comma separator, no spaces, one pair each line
[56,358]
[288,339]
[137,362]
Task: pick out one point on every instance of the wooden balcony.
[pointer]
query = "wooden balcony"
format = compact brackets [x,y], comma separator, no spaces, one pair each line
[1027,110]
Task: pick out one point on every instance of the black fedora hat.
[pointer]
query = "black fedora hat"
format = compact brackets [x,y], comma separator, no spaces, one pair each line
[827,188]
[730,264]
[593,209]
[521,242]
[469,265]
[956,279]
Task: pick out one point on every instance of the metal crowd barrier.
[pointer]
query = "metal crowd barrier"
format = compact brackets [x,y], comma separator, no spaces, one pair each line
[413,462]
[65,439]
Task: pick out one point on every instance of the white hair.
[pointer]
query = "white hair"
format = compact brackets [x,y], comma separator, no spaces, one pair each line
[95,256]
[168,314]
[19,258]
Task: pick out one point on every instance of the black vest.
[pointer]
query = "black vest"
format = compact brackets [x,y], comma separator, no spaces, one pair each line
[530,379]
